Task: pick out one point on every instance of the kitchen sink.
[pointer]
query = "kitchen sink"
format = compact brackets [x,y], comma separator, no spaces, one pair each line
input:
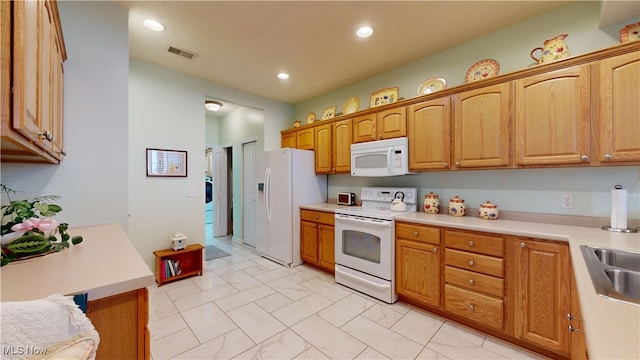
[618,258]
[615,273]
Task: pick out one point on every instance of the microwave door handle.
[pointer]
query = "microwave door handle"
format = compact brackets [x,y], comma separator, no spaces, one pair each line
[390,160]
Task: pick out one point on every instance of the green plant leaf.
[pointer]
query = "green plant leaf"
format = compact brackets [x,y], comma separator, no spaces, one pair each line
[76,240]
[29,244]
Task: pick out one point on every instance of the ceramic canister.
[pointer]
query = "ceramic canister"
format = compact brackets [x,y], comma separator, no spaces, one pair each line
[431,203]
[457,206]
[488,211]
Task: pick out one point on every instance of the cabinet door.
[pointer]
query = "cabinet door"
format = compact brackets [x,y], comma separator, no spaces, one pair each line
[418,271]
[305,139]
[482,127]
[57,96]
[618,120]
[341,151]
[429,132]
[26,69]
[392,123]
[541,279]
[326,256]
[364,128]
[309,241]
[552,118]
[323,149]
[288,140]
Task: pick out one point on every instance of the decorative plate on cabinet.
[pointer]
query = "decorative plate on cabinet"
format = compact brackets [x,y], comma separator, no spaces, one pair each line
[351,105]
[432,85]
[483,69]
[311,117]
[383,97]
[329,112]
[630,32]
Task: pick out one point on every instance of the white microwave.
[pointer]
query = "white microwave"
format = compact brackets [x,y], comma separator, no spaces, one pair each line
[380,158]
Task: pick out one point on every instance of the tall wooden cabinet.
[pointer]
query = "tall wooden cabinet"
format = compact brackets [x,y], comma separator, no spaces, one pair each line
[482,127]
[32,79]
[552,117]
[429,131]
[541,276]
[617,124]
[323,149]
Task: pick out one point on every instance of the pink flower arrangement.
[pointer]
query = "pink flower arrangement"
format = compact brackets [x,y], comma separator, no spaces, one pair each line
[44,224]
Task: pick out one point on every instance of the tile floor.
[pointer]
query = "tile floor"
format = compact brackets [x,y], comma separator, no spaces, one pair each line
[247,307]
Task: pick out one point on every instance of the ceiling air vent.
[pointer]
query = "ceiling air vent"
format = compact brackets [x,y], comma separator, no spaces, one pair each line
[184,53]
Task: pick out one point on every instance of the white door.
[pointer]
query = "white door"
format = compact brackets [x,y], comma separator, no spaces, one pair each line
[219,192]
[250,193]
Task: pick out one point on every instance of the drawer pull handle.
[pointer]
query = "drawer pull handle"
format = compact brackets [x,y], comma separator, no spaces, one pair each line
[584,158]
[415,233]
[471,307]
[317,217]
[446,164]
[523,245]
[46,135]
[435,250]
[470,262]
[607,156]
[471,282]
[470,243]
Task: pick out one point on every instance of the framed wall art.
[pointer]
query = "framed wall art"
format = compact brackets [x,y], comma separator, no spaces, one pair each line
[166,163]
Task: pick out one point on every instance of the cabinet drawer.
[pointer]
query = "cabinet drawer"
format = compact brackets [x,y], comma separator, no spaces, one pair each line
[477,307]
[418,233]
[474,281]
[481,244]
[475,262]
[317,216]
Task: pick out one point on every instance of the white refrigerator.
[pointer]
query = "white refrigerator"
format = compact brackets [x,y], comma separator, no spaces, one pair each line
[286,179]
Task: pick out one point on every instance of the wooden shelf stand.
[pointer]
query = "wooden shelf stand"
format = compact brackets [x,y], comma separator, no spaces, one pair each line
[190,262]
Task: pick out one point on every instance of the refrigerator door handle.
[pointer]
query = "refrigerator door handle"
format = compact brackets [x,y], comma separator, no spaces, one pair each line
[267,190]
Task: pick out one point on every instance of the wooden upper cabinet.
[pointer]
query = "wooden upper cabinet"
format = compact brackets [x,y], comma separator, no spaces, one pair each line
[429,126]
[323,149]
[482,127]
[288,140]
[541,280]
[364,128]
[387,124]
[617,125]
[305,139]
[552,117]
[392,123]
[341,149]
[32,82]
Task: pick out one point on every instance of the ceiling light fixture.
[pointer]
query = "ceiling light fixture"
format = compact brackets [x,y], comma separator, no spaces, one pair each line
[283,76]
[364,31]
[153,25]
[212,105]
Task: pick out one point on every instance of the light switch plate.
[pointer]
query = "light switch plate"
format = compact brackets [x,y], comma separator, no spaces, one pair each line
[191,191]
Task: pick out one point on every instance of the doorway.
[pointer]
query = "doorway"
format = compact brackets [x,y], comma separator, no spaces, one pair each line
[218,192]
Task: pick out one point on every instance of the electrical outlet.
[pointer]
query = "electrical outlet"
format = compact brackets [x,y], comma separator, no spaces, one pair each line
[566,201]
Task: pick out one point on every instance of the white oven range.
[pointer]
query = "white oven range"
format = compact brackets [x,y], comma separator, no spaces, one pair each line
[365,241]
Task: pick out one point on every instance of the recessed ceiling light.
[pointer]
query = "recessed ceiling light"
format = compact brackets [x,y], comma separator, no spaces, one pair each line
[153,25]
[364,31]
[283,76]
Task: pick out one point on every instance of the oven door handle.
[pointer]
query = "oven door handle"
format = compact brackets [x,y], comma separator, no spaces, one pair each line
[345,219]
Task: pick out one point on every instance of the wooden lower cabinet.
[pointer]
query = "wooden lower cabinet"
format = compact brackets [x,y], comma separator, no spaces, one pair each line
[518,289]
[317,239]
[541,276]
[121,320]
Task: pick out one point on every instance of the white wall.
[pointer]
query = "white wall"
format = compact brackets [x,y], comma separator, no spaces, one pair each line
[166,110]
[92,179]
[534,190]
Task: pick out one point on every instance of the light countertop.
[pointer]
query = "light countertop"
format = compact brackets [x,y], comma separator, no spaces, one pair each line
[612,328]
[104,264]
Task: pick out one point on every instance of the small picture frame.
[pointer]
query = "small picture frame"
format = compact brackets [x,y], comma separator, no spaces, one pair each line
[166,163]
